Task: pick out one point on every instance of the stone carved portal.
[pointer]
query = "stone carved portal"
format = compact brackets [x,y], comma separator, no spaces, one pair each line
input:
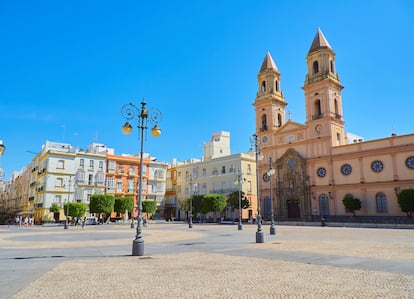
[292,187]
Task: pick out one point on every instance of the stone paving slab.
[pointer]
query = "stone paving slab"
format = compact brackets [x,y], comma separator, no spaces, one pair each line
[207,261]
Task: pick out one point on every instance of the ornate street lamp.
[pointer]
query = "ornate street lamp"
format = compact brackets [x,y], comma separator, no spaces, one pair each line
[259,232]
[67,205]
[190,220]
[270,173]
[239,181]
[143,116]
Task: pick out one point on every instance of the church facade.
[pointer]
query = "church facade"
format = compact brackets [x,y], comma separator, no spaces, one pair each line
[315,164]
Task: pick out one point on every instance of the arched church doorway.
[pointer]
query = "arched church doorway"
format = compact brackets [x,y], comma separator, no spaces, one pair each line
[293,208]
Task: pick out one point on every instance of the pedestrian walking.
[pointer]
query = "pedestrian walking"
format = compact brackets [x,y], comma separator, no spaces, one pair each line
[83,223]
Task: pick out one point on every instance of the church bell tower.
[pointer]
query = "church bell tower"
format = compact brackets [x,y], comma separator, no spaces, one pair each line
[323,92]
[269,103]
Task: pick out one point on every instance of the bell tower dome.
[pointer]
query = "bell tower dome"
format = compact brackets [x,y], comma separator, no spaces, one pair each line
[323,91]
[269,103]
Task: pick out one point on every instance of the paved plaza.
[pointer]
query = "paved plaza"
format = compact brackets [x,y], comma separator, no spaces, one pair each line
[207,261]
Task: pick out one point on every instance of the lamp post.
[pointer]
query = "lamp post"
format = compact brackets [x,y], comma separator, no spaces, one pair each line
[143,116]
[259,232]
[270,173]
[239,181]
[67,205]
[190,220]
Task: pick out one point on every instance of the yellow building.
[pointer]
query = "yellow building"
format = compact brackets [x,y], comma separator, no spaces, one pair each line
[316,163]
[216,173]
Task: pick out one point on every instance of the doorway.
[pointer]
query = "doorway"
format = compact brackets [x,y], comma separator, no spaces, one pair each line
[293,208]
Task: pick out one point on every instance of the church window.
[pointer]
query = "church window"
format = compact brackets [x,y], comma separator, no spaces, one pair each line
[264,123]
[338,137]
[315,67]
[276,85]
[336,107]
[263,86]
[279,120]
[381,201]
[318,110]
[332,66]
[324,205]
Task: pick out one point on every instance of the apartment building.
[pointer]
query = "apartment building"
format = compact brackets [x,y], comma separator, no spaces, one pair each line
[215,173]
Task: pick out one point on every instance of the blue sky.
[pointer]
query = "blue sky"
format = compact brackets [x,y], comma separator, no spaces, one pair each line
[67,67]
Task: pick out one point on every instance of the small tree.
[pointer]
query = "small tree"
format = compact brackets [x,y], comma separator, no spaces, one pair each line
[233,200]
[149,206]
[55,209]
[351,204]
[406,201]
[75,209]
[100,203]
[123,204]
[214,203]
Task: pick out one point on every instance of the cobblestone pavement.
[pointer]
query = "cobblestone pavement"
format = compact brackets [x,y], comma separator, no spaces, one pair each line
[211,261]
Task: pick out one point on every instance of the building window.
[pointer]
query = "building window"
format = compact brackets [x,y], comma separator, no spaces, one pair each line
[90,180]
[111,166]
[101,165]
[204,172]
[223,169]
[119,186]
[59,182]
[120,168]
[91,164]
[159,173]
[264,123]
[332,66]
[110,184]
[215,171]
[60,164]
[232,168]
[249,169]
[81,163]
[204,188]
[315,67]
[276,85]
[130,186]
[131,169]
[318,109]
[336,107]
[263,86]
[249,186]
[80,176]
[381,201]
[324,205]
[279,120]
[58,199]
[100,178]
[195,172]
[346,169]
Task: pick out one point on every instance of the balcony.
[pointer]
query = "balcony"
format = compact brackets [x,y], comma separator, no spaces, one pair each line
[317,116]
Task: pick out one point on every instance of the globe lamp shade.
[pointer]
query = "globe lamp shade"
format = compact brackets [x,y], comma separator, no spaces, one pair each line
[127,128]
[156,131]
